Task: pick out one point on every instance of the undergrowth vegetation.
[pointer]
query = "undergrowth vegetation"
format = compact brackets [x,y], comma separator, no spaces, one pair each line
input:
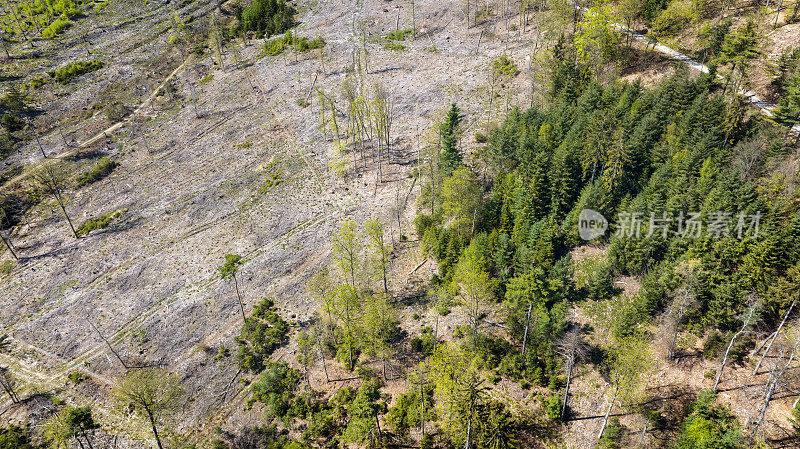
[103,168]
[73,70]
[100,222]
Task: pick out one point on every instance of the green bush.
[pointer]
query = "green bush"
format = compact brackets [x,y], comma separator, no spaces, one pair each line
[612,437]
[552,406]
[399,35]
[77,377]
[424,343]
[262,333]
[505,66]
[274,47]
[275,388]
[7,266]
[55,28]
[116,111]
[406,411]
[710,426]
[103,168]
[393,46]
[73,70]
[300,44]
[15,437]
[98,223]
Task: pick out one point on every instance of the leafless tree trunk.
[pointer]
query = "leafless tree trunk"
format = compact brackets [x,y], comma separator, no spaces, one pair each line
[608,412]
[8,384]
[324,365]
[686,295]
[730,345]
[774,336]
[525,334]
[6,240]
[108,343]
[774,377]
[572,348]
[777,13]
[238,296]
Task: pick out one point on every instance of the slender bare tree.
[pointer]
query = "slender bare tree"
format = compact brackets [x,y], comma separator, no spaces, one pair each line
[53,178]
[572,349]
[745,323]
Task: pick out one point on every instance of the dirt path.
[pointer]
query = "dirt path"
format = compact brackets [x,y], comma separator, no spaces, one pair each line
[760,104]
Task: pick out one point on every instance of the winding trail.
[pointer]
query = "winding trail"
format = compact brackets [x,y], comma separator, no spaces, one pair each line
[760,104]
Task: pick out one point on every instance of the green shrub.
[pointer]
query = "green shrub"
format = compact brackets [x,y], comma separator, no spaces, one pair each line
[303,45]
[505,66]
[300,44]
[35,83]
[116,111]
[54,29]
[77,377]
[223,352]
[206,79]
[103,168]
[73,70]
[552,406]
[15,437]
[714,344]
[7,266]
[424,343]
[674,19]
[612,437]
[274,47]
[393,46]
[710,426]
[262,333]
[275,388]
[98,223]
[406,411]
[399,35]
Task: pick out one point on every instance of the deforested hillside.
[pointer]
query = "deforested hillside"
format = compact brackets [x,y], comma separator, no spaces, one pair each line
[417,223]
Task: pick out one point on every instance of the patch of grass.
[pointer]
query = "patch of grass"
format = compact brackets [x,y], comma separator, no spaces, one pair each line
[35,83]
[116,111]
[98,223]
[399,35]
[288,40]
[505,66]
[272,180]
[303,103]
[73,70]
[103,168]
[77,377]
[7,266]
[54,29]
[431,49]
[393,46]
[244,145]
[207,79]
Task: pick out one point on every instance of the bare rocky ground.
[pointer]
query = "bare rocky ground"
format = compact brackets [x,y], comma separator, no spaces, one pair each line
[194,190]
